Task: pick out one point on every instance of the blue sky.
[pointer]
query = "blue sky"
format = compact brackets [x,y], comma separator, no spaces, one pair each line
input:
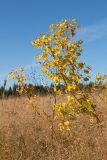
[22,20]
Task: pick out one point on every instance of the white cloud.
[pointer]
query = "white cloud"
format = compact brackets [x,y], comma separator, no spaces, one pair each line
[94,32]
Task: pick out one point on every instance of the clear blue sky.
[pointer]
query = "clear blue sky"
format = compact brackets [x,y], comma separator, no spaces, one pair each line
[22,20]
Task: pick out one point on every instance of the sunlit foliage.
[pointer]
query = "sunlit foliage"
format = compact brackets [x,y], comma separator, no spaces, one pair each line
[60,61]
[61,64]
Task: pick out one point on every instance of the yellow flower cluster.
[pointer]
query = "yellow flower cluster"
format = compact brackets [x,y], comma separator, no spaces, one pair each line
[60,61]
[20,77]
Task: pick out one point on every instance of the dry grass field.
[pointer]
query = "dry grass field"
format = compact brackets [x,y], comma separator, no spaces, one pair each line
[25,136]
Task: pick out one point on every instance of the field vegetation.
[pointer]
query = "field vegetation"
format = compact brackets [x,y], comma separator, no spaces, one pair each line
[64,121]
[25,135]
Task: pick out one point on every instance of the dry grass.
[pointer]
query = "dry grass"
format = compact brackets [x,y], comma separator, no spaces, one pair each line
[25,136]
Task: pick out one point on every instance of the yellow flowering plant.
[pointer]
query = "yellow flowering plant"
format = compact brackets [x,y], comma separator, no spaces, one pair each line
[20,77]
[23,88]
[60,62]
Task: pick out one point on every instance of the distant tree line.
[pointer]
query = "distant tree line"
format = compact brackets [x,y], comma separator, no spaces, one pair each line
[12,91]
[5,93]
[35,89]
